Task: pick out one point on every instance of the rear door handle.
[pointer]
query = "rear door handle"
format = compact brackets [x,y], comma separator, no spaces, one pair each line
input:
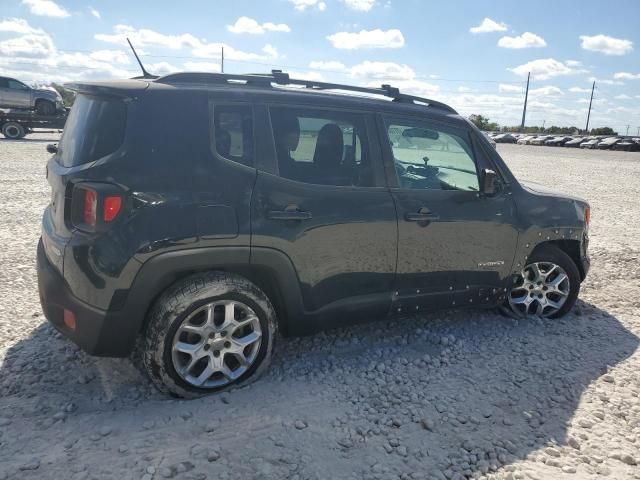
[291,212]
[422,215]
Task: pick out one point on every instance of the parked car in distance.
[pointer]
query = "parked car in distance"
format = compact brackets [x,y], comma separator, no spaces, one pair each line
[15,94]
[627,145]
[608,142]
[248,206]
[592,143]
[575,142]
[540,140]
[489,139]
[505,138]
[557,141]
[525,140]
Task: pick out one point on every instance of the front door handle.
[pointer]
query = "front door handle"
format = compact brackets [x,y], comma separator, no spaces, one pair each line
[422,215]
[291,212]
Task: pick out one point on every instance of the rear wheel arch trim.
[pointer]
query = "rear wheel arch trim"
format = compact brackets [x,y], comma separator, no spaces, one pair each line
[160,272]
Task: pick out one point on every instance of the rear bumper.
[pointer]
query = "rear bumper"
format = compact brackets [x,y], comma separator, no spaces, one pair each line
[97,332]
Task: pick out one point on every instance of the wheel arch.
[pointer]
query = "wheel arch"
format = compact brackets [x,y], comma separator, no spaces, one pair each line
[270,270]
[571,248]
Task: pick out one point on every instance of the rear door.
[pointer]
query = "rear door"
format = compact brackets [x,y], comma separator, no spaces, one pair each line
[455,245]
[324,203]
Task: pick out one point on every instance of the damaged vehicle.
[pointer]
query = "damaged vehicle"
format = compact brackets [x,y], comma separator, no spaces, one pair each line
[193,216]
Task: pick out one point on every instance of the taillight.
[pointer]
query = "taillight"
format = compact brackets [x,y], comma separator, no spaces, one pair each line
[111,207]
[95,205]
[587,216]
[90,207]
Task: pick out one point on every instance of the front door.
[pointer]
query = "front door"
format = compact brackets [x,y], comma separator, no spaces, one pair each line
[325,205]
[455,245]
[17,95]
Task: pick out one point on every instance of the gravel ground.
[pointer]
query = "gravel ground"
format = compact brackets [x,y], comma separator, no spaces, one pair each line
[460,394]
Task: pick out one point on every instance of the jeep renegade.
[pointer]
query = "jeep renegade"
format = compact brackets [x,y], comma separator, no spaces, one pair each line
[194,215]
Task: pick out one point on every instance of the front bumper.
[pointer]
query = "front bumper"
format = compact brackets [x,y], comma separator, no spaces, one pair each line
[97,332]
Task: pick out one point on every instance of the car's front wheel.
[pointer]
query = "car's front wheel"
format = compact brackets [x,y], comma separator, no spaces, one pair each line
[206,333]
[547,286]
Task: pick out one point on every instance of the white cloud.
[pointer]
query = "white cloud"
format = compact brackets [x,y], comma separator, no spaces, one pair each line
[606,81]
[463,89]
[489,25]
[622,97]
[202,67]
[374,74]
[579,90]
[302,5]
[382,70]
[29,45]
[605,44]
[45,8]
[360,5]
[526,40]
[367,39]
[328,65]
[161,68]
[110,56]
[548,91]
[311,76]
[18,25]
[251,26]
[506,88]
[573,63]
[627,76]
[544,69]
[95,13]
[199,48]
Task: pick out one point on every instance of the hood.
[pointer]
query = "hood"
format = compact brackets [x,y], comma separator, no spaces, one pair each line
[539,189]
[46,92]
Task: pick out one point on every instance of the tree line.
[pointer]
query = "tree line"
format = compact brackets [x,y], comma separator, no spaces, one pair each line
[483,123]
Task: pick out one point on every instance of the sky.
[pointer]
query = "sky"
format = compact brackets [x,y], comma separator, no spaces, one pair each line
[471,54]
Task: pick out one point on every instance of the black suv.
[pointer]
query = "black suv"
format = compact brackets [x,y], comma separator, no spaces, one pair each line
[194,215]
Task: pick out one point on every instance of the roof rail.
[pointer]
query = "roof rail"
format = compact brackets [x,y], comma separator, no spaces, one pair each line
[279,77]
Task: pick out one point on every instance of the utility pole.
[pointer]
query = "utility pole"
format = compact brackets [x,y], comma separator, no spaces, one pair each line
[627,131]
[524,110]
[593,87]
[222,62]
[543,122]
[638,132]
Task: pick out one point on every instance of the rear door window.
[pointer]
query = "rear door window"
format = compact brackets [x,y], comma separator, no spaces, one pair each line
[95,128]
[233,132]
[322,147]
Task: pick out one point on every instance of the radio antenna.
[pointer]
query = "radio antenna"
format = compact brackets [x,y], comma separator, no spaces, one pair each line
[145,74]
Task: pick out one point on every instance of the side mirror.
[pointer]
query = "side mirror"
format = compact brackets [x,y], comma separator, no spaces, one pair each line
[489,182]
[52,148]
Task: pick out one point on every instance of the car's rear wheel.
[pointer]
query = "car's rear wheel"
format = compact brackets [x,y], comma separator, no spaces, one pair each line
[547,286]
[207,333]
[44,107]
[13,130]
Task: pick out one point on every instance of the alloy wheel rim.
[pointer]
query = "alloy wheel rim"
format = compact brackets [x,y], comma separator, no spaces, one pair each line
[216,344]
[542,288]
[12,131]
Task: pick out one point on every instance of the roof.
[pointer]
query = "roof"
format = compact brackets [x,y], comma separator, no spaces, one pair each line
[275,85]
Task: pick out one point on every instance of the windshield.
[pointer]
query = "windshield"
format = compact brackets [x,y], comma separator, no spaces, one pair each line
[94,129]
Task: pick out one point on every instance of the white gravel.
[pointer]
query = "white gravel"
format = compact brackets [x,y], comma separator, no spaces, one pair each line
[447,396]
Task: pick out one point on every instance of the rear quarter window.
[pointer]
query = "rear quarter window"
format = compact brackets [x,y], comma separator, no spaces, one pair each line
[95,128]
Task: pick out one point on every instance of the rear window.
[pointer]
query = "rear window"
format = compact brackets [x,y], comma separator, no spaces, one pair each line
[94,129]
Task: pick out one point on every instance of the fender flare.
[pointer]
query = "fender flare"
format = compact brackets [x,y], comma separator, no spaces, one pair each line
[270,269]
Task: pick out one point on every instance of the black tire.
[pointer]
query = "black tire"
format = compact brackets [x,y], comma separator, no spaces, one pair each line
[176,304]
[13,131]
[45,107]
[553,254]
